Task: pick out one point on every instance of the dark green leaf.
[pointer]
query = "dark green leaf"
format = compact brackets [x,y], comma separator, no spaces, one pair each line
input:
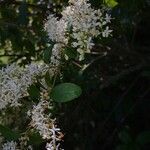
[35,139]
[48,79]
[8,133]
[47,54]
[65,92]
[71,53]
[34,92]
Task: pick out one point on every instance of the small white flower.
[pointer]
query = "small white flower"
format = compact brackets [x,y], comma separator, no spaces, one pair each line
[108,18]
[9,146]
[50,146]
[56,29]
[106,32]
[30,147]
[56,54]
[44,125]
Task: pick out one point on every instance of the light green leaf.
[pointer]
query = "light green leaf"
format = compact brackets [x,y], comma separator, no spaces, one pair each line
[111,3]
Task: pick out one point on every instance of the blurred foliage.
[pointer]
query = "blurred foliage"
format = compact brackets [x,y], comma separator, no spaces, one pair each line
[113,112]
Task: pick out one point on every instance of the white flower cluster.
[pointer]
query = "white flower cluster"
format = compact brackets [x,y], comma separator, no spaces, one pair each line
[80,23]
[12,145]
[44,125]
[14,82]
[9,146]
[53,145]
[23,142]
[39,120]
[56,55]
[56,29]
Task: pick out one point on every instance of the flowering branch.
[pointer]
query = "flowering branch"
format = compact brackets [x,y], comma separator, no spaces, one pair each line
[74,32]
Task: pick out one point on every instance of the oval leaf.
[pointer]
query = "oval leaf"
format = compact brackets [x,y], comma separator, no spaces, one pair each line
[65,92]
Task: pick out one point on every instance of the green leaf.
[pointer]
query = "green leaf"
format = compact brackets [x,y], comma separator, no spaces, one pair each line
[35,139]
[111,3]
[48,79]
[47,54]
[71,53]
[65,92]
[8,133]
[34,92]
[143,138]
